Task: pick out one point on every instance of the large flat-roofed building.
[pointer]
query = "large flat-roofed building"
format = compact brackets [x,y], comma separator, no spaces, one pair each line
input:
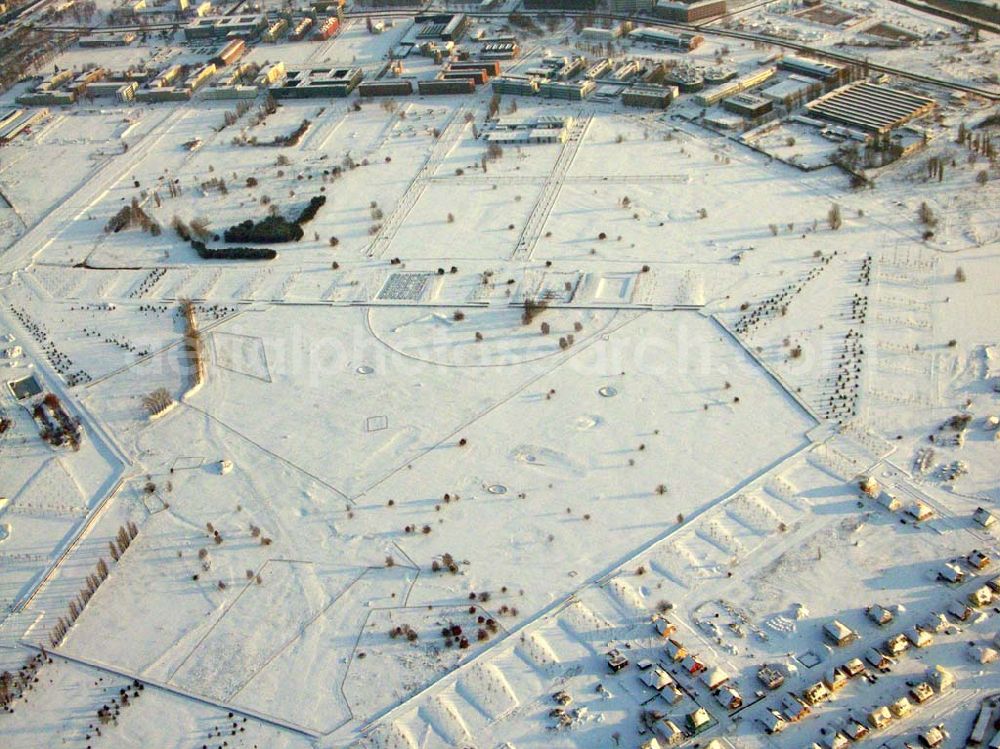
[448,27]
[649,95]
[214,27]
[870,107]
[313,83]
[682,42]
[807,66]
[792,91]
[748,105]
[445,86]
[687,12]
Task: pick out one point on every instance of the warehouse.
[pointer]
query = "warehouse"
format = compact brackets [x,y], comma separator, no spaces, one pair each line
[748,105]
[680,42]
[444,26]
[688,12]
[871,107]
[312,83]
[792,91]
[813,68]
[649,95]
[595,34]
[18,120]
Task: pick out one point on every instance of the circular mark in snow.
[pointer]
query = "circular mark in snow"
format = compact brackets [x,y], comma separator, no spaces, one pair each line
[364,369]
[497,489]
[607,392]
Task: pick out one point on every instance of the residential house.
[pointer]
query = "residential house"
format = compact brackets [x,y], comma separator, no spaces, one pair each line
[921,692]
[981,596]
[901,707]
[816,693]
[839,633]
[978,560]
[880,717]
[675,651]
[879,614]
[897,644]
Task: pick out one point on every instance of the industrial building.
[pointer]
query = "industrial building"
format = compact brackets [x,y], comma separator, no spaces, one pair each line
[16,121]
[682,42]
[215,27]
[649,95]
[311,83]
[447,27]
[792,91]
[748,105]
[813,68]
[870,107]
[717,93]
[674,10]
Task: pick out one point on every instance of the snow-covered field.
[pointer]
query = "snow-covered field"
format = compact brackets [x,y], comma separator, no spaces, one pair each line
[498,411]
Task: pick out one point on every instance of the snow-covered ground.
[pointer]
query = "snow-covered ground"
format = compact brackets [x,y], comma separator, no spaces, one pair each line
[494,412]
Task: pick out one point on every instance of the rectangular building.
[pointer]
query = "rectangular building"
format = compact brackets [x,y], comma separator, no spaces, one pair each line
[310,83]
[748,105]
[390,87]
[688,12]
[717,93]
[682,42]
[813,68]
[871,107]
[649,95]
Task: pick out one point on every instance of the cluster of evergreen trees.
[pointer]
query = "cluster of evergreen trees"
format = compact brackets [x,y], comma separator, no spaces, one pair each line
[274,229]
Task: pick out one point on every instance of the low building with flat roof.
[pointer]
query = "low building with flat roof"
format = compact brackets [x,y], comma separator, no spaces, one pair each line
[310,83]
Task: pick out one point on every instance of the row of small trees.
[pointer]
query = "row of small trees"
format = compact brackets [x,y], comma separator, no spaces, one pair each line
[126,535]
